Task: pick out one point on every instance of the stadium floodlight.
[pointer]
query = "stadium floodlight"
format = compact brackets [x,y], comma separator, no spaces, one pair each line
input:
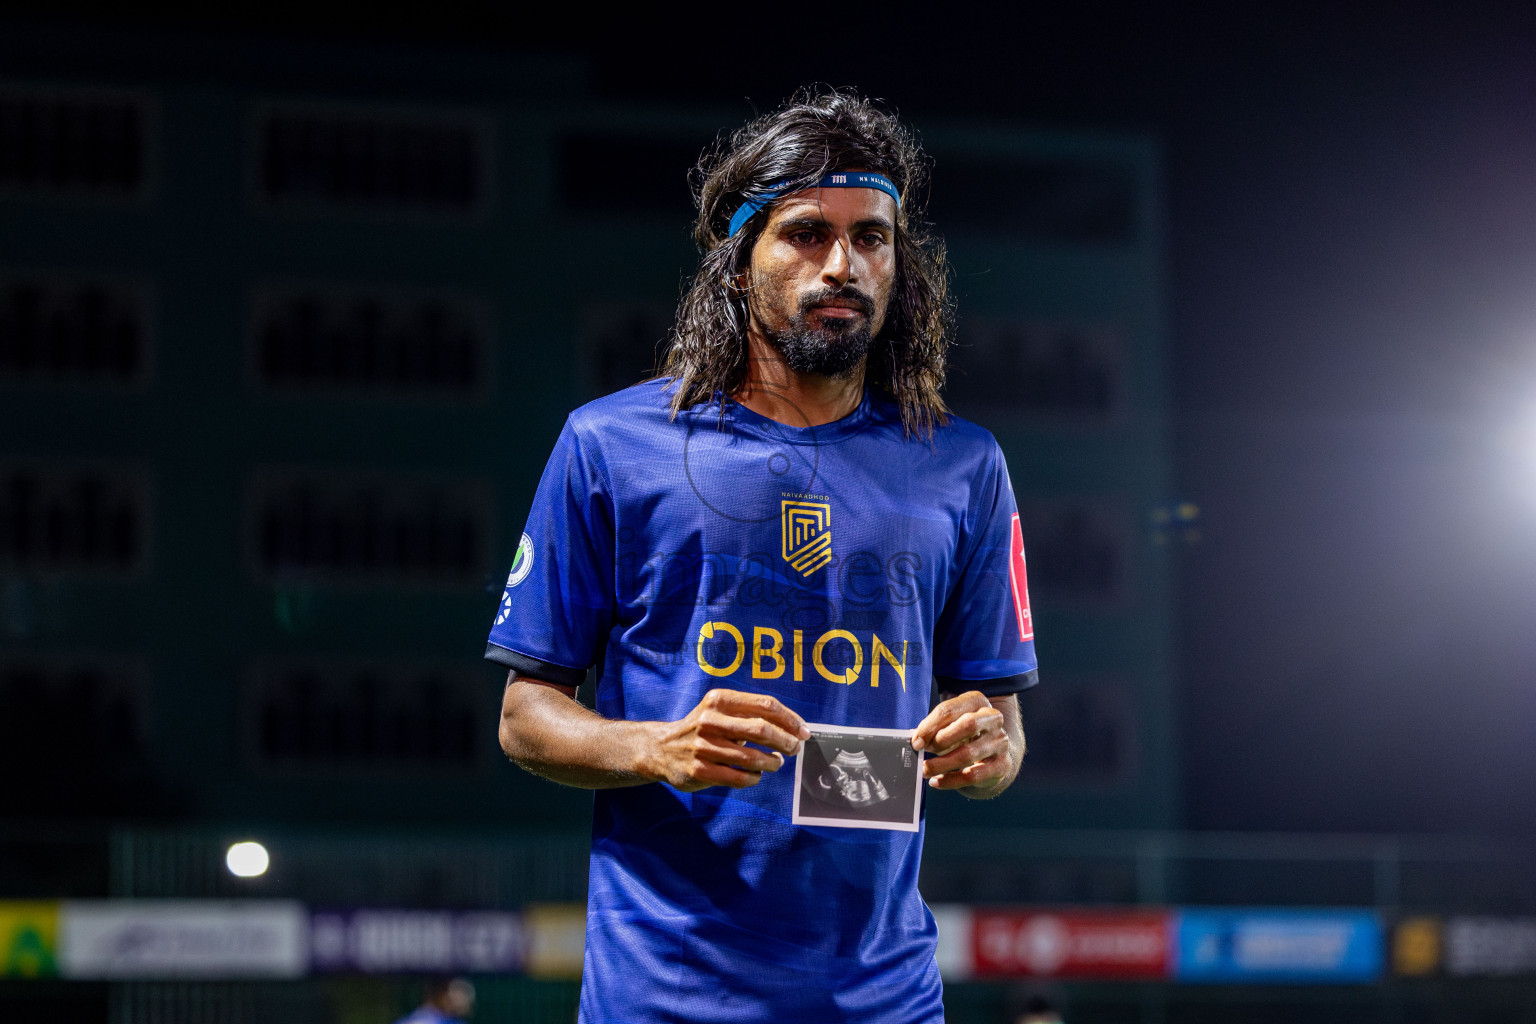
[247,860]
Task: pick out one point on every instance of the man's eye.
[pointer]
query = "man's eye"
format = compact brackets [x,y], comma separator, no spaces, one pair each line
[804,238]
[872,240]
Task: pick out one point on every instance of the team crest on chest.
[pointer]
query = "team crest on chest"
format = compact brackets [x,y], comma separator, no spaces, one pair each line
[806,531]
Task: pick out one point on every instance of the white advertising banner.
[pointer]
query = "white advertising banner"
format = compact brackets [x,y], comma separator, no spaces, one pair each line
[956,961]
[1490,945]
[183,939]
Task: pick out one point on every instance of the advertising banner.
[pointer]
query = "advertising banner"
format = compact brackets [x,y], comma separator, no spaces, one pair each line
[416,941]
[1308,946]
[954,950]
[1129,944]
[1416,943]
[1490,945]
[557,938]
[183,939]
[28,939]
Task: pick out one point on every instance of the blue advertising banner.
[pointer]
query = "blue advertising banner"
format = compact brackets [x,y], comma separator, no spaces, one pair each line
[1262,945]
[415,941]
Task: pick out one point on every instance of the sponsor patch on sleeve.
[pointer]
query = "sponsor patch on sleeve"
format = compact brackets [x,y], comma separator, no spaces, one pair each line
[1020,581]
[522,564]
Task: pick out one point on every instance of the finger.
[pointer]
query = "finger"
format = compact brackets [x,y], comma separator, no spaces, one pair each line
[750,730]
[968,725]
[974,775]
[760,705]
[969,754]
[737,756]
[705,774]
[928,728]
[944,714]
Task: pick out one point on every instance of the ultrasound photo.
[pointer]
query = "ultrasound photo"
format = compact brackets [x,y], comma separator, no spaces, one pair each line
[858,778]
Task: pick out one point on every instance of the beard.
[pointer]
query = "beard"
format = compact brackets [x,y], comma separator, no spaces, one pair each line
[822,346]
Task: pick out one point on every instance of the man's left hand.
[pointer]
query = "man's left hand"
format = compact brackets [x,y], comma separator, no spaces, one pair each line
[976,743]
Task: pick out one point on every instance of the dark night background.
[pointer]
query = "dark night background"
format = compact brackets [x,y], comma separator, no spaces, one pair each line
[1352,320]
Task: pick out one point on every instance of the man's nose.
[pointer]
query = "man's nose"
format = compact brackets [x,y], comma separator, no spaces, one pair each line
[838,269]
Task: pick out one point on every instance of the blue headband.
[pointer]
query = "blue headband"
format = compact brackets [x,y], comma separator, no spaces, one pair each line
[842,179]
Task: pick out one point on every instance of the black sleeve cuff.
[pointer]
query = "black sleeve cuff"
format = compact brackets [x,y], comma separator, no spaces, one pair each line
[533,668]
[1001,687]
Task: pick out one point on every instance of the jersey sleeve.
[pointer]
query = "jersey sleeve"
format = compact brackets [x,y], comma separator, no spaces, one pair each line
[985,639]
[556,611]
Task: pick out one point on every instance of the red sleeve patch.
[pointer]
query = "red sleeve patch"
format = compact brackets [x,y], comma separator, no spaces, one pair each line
[1020,581]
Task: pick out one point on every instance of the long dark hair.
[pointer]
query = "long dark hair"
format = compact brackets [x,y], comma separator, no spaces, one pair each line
[817,132]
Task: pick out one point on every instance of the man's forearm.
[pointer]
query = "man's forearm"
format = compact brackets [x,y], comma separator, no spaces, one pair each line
[549,734]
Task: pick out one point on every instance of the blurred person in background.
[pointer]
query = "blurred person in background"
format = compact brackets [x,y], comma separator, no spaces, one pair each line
[1037,1010]
[447,1001]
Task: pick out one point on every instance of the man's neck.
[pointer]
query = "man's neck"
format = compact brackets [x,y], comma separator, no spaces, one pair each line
[773,390]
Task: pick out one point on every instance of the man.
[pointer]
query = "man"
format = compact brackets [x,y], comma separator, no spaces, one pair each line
[1038,1010]
[786,528]
[447,1001]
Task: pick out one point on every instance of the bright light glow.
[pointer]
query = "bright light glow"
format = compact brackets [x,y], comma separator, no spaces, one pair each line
[247,860]
[1519,455]
[1527,441]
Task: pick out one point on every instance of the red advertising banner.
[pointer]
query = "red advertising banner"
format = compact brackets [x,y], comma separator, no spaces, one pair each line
[1072,944]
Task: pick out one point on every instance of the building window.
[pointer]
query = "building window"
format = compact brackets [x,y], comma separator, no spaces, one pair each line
[330,159]
[331,716]
[1078,734]
[654,181]
[622,345]
[1040,201]
[63,518]
[329,528]
[75,738]
[1040,372]
[386,343]
[68,142]
[57,330]
[100,702]
[1076,550]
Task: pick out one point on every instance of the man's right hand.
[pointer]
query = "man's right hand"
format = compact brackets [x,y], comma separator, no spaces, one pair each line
[718,743]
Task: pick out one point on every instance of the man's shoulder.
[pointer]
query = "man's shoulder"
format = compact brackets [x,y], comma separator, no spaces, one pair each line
[959,436]
[647,402]
[955,435]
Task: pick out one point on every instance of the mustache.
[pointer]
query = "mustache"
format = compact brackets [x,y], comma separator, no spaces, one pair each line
[848,294]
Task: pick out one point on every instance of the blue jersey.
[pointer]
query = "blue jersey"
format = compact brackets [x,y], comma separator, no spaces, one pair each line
[428,1015]
[847,570]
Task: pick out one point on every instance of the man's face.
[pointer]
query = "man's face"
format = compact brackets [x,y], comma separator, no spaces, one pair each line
[821,277]
[459,999]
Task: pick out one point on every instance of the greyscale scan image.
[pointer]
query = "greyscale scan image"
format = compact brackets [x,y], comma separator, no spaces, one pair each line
[865,778]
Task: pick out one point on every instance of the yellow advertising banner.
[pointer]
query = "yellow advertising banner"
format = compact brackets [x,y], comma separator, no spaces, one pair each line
[29,934]
[1416,946]
[557,934]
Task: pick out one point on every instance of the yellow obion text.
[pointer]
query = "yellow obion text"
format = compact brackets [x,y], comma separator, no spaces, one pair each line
[769,658]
